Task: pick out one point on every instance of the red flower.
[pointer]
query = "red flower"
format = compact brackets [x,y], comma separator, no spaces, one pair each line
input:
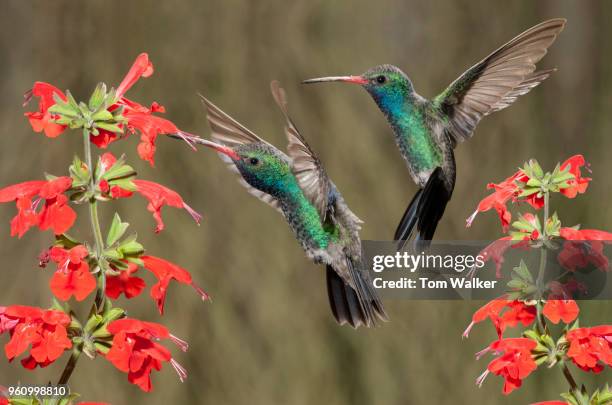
[55,214]
[93,403]
[578,255]
[72,276]
[159,196]
[503,313]
[165,272]
[495,251]
[579,184]
[551,403]
[514,364]
[125,283]
[585,234]
[142,67]
[139,118]
[557,310]
[135,351]
[589,347]
[42,120]
[6,323]
[504,192]
[44,330]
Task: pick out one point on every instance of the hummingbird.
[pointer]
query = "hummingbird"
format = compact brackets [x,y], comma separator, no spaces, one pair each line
[297,185]
[428,130]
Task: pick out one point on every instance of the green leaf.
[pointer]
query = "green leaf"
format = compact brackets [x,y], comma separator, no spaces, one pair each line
[515,284]
[116,231]
[102,115]
[119,171]
[113,254]
[536,168]
[526,192]
[109,127]
[533,182]
[126,184]
[524,272]
[93,322]
[132,248]
[97,97]
[64,109]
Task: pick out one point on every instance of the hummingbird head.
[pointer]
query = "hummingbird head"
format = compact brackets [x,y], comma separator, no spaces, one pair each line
[260,164]
[387,85]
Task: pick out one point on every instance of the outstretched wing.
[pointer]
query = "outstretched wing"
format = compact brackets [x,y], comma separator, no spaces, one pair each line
[495,82]
[228,131]
[306,166]
[225,129]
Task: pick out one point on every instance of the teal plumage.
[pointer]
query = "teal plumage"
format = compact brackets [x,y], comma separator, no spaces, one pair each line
[427,131]
[296,185]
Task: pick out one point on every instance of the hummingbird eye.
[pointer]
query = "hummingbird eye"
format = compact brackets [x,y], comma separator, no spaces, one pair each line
[253,161]
[381,79]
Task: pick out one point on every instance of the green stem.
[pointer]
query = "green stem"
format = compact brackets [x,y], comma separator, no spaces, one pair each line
[95,223]
[569,378]
[74,357]
[99,248]
[542,269]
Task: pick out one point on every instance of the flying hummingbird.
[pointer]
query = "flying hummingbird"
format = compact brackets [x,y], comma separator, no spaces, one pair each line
[297,185]
[427,131]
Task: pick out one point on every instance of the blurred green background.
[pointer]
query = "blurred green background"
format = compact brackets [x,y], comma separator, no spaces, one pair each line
[268,336]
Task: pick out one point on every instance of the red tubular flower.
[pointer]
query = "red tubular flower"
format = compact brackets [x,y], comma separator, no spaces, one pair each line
[55,214]
[142,67]
[42,120]
[561,310]
[585,234]
[139,118]
[504,191]
[135,351]
[578,255]
[72,276]
[6,323]
[22,194]
[590,347]
[93,403]
[44,330]
[495,251]
[579,184]
[551,403]
[125,283]
[165,272]
[503,313]
[159,196]
[514,364]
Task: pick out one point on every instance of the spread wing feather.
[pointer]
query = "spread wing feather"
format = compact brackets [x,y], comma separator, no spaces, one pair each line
[495,82]
[306,166]
[228,131]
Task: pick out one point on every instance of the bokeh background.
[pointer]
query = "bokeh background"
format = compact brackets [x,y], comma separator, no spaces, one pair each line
[268,336]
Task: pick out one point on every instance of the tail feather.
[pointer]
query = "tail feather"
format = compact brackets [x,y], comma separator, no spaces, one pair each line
[357,308]
[425,210]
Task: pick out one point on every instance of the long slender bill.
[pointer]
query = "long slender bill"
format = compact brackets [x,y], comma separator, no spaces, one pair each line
[346,79]
[194,139]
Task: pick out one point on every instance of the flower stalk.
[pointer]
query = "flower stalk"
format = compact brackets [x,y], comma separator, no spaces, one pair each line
[588,348]
[107,262]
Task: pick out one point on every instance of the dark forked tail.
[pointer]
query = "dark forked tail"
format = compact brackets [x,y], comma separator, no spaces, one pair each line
[357,307]
[425,210]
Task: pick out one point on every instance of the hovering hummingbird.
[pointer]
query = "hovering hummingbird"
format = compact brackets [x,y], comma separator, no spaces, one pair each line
[427,131]
[296,185]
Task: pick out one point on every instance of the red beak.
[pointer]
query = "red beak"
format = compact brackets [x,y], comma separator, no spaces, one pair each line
[226,150]
[346,79]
